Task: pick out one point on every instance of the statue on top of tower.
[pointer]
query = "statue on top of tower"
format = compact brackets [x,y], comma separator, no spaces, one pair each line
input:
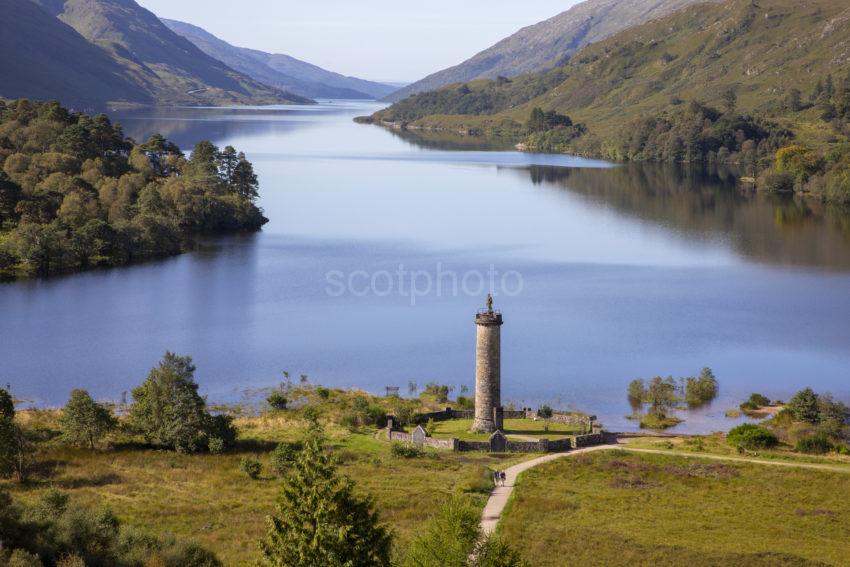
[489,303]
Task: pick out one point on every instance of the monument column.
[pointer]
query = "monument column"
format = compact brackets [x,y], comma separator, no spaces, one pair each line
[488,370]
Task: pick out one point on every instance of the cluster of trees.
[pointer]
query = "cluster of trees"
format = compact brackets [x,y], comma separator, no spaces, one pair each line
[166,410]
[828,415]
[551,131]
[697,133]
[477,98]
[75,193]
[664,394]
[797,168]
[57,531]
[829,96]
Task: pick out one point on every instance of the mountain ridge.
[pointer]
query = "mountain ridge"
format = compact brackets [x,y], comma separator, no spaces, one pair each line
[279,70]
[131,58]
[548,44]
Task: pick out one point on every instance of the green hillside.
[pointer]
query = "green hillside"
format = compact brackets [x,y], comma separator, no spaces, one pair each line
[731,83]
[761,50]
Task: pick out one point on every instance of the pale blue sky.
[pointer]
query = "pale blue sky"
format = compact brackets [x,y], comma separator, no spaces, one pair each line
[385,40]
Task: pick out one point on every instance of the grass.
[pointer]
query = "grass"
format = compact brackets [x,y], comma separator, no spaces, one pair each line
[205,498]
[618,509]
[460,428]
[716,444]
[659,421]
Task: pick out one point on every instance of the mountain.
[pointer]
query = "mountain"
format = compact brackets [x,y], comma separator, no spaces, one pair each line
[42,58]
[281,71]
[766,52]
[550,43]
[128,48]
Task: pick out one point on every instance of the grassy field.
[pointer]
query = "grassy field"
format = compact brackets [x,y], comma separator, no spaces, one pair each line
[206,499]
[716,444]
[460,428]
[613,508]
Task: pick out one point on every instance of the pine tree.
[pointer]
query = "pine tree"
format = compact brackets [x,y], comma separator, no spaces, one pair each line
[244,181]
[319,520]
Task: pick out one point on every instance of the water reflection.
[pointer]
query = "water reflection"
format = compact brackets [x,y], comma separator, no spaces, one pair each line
[708,203]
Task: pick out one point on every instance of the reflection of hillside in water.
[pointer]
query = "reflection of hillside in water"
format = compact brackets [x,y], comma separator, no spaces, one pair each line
[708,204]
[450,141]
[187,126]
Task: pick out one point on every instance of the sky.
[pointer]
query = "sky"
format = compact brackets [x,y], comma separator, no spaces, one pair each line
[382,40]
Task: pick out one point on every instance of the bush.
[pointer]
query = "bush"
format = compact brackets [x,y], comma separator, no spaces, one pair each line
[478,479]
[751,437]
[464,402]
[440,392]
[277,400]
[284,456]
[251,468]
[817,444]
[780,183]
[545,412]
[216,445]
[406,451]
[804,406]
[323,393]
[755,401]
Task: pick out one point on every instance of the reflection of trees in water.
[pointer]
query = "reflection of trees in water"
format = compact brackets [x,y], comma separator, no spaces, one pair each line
[188,126]
[450,141]
[708,203]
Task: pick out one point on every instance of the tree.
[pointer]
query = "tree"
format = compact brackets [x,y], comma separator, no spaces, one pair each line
[84,421]
[637,393]
[795,100]
[168,410]
[701,390]
[14,446]
[661,394]
[319,519]
[243,180]
[804,406]
[453,538]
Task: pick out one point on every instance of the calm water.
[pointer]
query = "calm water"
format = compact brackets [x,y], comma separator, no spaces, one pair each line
[625,272]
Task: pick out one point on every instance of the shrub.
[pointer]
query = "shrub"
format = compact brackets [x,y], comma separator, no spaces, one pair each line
[804,406]
[816,444]
[277,400]
[478,479]
[464,402]
[323,393]
[755,401]
[283,456]
[251,468]
[405,451]
[440,392]
[545,412]
[216,445]
[780,183]
[751,437]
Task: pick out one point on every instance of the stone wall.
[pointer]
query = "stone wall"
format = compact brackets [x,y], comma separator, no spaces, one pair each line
[589,439]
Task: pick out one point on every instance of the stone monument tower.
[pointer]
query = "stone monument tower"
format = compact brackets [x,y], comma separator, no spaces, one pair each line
[488,370]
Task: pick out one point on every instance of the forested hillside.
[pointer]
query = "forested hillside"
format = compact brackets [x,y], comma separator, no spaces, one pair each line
[733,82]
[75,193]
[550,43]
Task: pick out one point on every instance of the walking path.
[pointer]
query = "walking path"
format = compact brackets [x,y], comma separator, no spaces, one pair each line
[500,495]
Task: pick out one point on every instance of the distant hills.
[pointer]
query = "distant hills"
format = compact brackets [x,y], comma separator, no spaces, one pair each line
[89,53]
[769,53]
[281,71]
[550,43]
